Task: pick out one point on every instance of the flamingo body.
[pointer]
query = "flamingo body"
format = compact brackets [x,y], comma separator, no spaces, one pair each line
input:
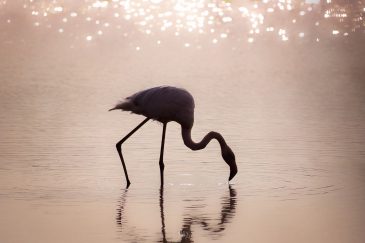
[165,104]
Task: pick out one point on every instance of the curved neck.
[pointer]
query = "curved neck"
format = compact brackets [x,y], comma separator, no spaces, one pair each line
[186,135]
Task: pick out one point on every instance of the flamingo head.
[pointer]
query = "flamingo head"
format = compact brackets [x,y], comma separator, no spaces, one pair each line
[230,159]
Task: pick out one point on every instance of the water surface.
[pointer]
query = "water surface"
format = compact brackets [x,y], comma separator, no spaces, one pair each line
[294,117]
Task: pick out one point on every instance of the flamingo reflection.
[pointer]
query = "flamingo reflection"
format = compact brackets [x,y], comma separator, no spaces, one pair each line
[227,212]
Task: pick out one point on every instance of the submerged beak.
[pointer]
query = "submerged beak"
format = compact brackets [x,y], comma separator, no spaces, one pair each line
[233,170]
[230,159]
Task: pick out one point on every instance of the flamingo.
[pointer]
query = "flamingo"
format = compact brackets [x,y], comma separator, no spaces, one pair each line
[165,104]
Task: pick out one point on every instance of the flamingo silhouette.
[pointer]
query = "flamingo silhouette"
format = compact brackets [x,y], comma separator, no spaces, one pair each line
[165,104]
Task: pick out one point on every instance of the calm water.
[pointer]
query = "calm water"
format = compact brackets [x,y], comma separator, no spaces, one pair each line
[294,116]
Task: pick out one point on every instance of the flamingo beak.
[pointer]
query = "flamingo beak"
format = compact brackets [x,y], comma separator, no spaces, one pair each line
[230,159]
[233,170]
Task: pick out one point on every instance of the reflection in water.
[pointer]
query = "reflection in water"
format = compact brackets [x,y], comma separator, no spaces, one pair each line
[228,209]
[120,209]
[227,212]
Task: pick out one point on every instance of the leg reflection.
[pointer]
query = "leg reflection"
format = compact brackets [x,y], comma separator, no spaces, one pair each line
[120,209]
[163,232]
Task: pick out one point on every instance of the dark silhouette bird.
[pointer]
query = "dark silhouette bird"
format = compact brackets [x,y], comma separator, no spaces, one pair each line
[165,104]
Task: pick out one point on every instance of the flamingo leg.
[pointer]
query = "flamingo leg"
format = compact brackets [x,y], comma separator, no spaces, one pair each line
[162,166]
[119,148]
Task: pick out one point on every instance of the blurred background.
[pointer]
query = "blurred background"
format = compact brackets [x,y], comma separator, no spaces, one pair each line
[282,80]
